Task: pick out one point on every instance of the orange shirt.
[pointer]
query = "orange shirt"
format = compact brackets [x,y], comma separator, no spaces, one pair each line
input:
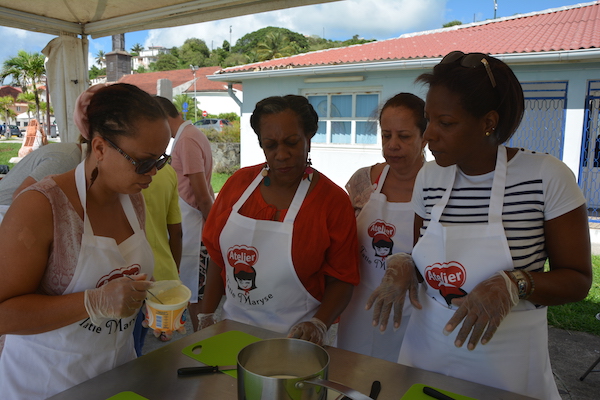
[324,241]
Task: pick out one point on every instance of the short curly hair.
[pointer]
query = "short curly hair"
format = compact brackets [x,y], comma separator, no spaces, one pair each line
[276,104]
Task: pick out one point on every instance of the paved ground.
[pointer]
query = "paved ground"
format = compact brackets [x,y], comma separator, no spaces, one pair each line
[571,354]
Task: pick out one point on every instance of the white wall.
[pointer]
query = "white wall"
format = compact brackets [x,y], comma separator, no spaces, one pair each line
[219,102]
[339,162]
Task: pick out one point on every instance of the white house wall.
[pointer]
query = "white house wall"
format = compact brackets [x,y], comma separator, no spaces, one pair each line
[218,102]
[338,162]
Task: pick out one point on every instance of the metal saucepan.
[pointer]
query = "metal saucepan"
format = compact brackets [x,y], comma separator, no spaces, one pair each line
[286,369]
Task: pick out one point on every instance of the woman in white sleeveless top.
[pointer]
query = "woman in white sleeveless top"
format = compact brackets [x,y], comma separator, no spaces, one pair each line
[76,273]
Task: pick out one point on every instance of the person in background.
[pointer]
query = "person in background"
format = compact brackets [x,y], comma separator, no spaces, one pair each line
[281,235]
[192,160]
[55,158]
[488,216]
[76,270]
[163,231]
[381,197]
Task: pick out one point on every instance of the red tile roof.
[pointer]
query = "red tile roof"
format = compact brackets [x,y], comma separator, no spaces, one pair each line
[147,81]
[7,90]
[565,28]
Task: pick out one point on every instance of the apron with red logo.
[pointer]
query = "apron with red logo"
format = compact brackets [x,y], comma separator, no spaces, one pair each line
[384,228]
[41,365]
[453,260]
[262,286]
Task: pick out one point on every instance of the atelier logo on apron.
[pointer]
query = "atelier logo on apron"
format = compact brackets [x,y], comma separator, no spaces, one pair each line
[242,259]
[381,233]
[448,278]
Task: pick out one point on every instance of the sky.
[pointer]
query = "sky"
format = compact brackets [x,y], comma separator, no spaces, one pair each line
[369,19]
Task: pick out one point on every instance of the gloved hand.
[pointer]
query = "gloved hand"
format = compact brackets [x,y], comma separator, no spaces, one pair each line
[483,309]
[400,276]
[313,331]
[205,320]
[119,298]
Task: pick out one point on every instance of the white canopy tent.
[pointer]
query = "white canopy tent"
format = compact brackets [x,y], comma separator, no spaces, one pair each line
[74,20]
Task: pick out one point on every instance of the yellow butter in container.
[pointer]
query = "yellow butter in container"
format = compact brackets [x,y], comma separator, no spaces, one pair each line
[174,296]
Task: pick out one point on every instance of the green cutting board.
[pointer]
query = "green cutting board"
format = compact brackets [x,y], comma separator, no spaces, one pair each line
[415,392]
[221,349]
[127,396]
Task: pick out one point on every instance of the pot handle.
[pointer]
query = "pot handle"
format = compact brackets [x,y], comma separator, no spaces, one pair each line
[338,387]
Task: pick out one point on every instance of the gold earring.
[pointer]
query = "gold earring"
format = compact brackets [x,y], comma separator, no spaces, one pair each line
[487,133]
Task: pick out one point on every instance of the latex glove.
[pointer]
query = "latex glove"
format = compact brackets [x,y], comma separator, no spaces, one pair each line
[482,310]
[400,277]
[313,331]
[205,320]
[119,298]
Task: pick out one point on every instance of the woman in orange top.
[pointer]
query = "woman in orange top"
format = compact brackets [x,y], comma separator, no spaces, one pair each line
[281,235]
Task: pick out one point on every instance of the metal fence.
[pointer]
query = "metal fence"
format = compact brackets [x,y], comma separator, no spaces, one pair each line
[590,152]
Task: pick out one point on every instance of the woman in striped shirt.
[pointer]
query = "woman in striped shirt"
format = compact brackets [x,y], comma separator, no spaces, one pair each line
[488,217]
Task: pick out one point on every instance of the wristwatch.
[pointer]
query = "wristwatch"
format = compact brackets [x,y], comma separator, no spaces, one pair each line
[520,279]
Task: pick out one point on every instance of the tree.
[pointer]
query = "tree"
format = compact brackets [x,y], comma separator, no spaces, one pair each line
[452,23]
[250,41]
[7,112]
[193,52]
[165,62]
[275,45]
[96,72]
[29,98]
[136,49]
[101,58]
[178,101]
[26,68]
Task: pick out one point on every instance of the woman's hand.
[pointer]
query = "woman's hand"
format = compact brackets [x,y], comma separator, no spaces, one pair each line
[400,277]
[313,331]
[482,310]
[119,298]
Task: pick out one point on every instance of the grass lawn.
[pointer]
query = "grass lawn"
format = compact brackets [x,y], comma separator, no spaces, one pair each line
[580,316]
[8,151]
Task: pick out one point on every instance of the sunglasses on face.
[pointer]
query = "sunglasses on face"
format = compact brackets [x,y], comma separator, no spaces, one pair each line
[470,60]
[144,166]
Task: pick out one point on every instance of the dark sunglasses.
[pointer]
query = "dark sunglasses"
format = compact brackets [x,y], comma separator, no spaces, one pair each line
[470,60]
[144,166]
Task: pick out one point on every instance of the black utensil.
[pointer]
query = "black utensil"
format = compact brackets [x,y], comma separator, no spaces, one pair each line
[436,394]
[375,389]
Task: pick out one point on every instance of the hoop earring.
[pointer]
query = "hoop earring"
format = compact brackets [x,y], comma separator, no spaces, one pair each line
[265,174]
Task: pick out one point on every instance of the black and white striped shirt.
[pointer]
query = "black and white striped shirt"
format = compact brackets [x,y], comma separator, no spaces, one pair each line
[539,187]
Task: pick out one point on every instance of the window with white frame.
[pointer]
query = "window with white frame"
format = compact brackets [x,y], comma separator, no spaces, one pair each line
[347,116]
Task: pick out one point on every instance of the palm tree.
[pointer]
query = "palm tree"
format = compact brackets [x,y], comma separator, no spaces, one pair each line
[275,45]
[5,103]
[100,58]
[24,69]
[137,48]
[29,98]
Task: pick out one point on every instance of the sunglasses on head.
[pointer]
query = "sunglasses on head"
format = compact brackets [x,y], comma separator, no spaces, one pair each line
[470,60]
[144,166]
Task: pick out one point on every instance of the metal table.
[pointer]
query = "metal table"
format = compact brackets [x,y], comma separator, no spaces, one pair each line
[154,375]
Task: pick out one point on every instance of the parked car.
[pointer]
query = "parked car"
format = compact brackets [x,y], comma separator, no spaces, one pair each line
[212,123]
[15,131]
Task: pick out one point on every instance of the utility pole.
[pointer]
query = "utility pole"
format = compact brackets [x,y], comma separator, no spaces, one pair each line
[194,69]
[230,44]
[495,8]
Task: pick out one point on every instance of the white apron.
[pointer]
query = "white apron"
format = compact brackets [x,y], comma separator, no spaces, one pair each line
[453,260]
[39,366]
[192,223]
[262,286]
[379,222]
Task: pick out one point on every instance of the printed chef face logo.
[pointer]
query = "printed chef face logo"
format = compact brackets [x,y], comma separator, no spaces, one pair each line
[382,233]
[447,278]
[134,269]
[242,258]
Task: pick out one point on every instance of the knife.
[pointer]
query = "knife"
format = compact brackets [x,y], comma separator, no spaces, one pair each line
[373,394]
[436,394]
[207,369]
